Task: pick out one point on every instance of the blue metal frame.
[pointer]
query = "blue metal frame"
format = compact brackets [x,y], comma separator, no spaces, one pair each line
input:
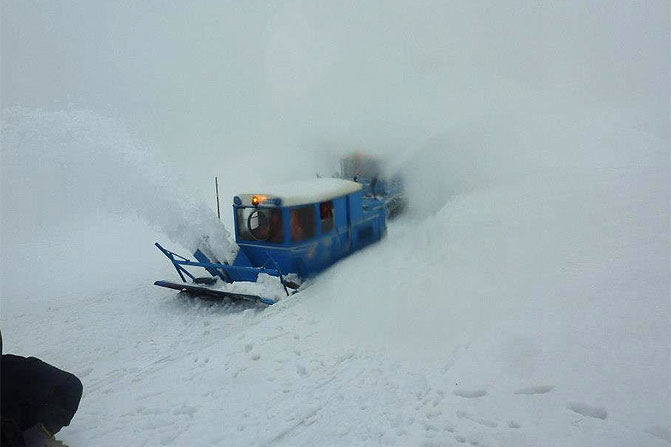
[227,272]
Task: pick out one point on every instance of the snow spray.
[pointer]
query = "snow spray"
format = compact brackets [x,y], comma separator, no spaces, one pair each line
[64,165]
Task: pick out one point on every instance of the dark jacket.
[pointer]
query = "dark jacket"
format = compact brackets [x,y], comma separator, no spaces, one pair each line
[34,392]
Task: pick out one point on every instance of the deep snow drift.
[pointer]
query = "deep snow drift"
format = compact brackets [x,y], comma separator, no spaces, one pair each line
[522,309]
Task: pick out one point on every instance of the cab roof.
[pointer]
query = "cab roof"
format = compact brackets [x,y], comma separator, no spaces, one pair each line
[302,192]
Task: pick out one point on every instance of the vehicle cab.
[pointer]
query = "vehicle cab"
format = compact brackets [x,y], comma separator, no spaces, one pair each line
[304,226]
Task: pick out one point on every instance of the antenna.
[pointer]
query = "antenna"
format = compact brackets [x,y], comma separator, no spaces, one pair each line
[216,188]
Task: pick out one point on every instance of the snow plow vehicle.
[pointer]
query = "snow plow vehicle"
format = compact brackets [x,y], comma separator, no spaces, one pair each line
[288,233]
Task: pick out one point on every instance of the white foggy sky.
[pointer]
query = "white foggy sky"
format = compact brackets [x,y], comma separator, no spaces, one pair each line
[214,76]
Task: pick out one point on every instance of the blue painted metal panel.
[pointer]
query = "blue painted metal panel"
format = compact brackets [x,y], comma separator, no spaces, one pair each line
[201,257]
[242,259]
[356,206]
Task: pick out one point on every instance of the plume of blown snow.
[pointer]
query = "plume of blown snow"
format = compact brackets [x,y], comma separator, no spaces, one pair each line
[65,167]
[521,220]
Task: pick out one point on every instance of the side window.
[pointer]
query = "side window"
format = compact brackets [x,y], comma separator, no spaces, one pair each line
[302,223]
[276,227]
[326,216]
[260,224]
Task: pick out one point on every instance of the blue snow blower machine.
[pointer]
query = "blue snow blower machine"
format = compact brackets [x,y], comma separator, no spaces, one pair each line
[292,232]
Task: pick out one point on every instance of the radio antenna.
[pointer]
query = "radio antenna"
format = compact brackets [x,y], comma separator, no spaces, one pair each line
[216,188]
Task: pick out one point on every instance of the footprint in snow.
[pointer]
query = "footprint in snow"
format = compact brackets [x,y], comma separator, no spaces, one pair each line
[469,394]
[450,427]
[185,410]
[85,372]
[477,420]
[433,413]
[588,410]
[462,440]
[540,389]
[659,432]
[169,438]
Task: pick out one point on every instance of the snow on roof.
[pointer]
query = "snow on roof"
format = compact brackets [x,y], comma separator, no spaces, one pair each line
[305,191]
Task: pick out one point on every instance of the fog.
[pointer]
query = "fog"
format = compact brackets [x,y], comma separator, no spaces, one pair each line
[130,109]
[225,83]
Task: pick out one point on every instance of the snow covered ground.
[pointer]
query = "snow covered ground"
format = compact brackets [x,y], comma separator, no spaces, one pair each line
[528,312]
[523,301]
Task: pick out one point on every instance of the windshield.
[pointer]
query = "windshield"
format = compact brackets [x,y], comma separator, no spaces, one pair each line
[260,224]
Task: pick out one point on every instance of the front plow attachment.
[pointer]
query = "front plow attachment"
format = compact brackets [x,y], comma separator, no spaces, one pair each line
[213,293]
[226,272]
